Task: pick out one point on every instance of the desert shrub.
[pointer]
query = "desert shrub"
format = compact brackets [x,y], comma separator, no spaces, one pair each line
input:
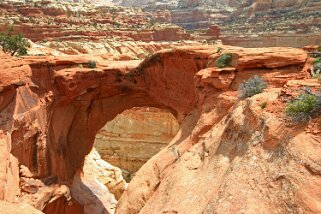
[316,61]
[251,87]
[13,44]
[224,60]
[219,50]
[263,105]
[316,68]
[319,48]
[303,107]
[92,64]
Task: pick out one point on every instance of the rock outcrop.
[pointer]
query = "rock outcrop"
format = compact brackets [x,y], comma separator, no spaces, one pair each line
[229,155]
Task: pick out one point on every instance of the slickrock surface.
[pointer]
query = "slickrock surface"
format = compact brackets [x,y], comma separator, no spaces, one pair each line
[133,137]
[229,156]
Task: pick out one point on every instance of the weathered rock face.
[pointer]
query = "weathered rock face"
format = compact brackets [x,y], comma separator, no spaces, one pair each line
[228,156]
[134,136]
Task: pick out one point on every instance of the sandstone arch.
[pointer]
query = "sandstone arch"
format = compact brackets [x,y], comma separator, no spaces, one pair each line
[81,111]
[57,108]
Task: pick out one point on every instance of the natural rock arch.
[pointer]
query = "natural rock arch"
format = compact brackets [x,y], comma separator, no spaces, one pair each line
[89,100]
[51,113]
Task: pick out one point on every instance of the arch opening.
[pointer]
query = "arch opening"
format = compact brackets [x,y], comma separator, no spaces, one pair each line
[134,136]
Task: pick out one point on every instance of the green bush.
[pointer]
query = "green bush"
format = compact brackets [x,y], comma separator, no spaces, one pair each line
[224,60]
[13,44]
[303,107]
[319,48]
[92,64]
[263,105]
[251,87]
[316,61]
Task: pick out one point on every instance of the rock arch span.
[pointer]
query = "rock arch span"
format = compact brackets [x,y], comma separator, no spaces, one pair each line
[83,110]
[51,113]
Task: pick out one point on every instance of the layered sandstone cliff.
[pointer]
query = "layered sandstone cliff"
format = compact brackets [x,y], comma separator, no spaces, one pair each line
[258,23]
[125,50]
[63,21]
[134,136]
[229,155]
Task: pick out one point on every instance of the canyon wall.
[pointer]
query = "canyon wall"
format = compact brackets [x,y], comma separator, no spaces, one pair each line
[134,136]
[63,21]
[277,23]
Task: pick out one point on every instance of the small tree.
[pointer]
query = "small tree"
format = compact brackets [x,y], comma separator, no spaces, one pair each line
[13,44]
[224,60]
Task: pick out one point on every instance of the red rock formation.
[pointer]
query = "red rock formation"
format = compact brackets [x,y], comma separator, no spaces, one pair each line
[214,31]
[225,158]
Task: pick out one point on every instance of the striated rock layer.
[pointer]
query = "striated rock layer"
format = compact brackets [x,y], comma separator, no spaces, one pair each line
[229,156]
[134,136]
